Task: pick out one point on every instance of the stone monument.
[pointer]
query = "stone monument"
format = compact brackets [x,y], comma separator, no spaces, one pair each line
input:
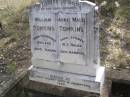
[65,44]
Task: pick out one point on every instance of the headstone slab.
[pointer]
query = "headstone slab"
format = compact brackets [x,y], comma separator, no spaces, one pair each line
[65,44]
[64,32]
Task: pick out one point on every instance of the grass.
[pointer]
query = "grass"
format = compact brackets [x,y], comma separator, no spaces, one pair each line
[115,40]
[12,14]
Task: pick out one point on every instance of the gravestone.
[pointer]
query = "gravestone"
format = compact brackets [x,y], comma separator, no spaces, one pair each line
[65,44]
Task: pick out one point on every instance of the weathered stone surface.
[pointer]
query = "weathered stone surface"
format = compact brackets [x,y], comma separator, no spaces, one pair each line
[106,88]
[65,79]
[73,68]
[64,31]
[65,44]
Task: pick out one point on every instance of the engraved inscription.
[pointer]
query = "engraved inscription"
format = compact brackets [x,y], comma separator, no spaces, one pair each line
[72,37]
[64,33]
[44,36]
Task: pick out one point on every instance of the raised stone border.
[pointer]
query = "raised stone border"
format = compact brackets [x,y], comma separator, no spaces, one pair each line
[21,86]
[12,87]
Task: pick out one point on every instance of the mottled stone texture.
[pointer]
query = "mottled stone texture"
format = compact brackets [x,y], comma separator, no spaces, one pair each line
[36,89]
